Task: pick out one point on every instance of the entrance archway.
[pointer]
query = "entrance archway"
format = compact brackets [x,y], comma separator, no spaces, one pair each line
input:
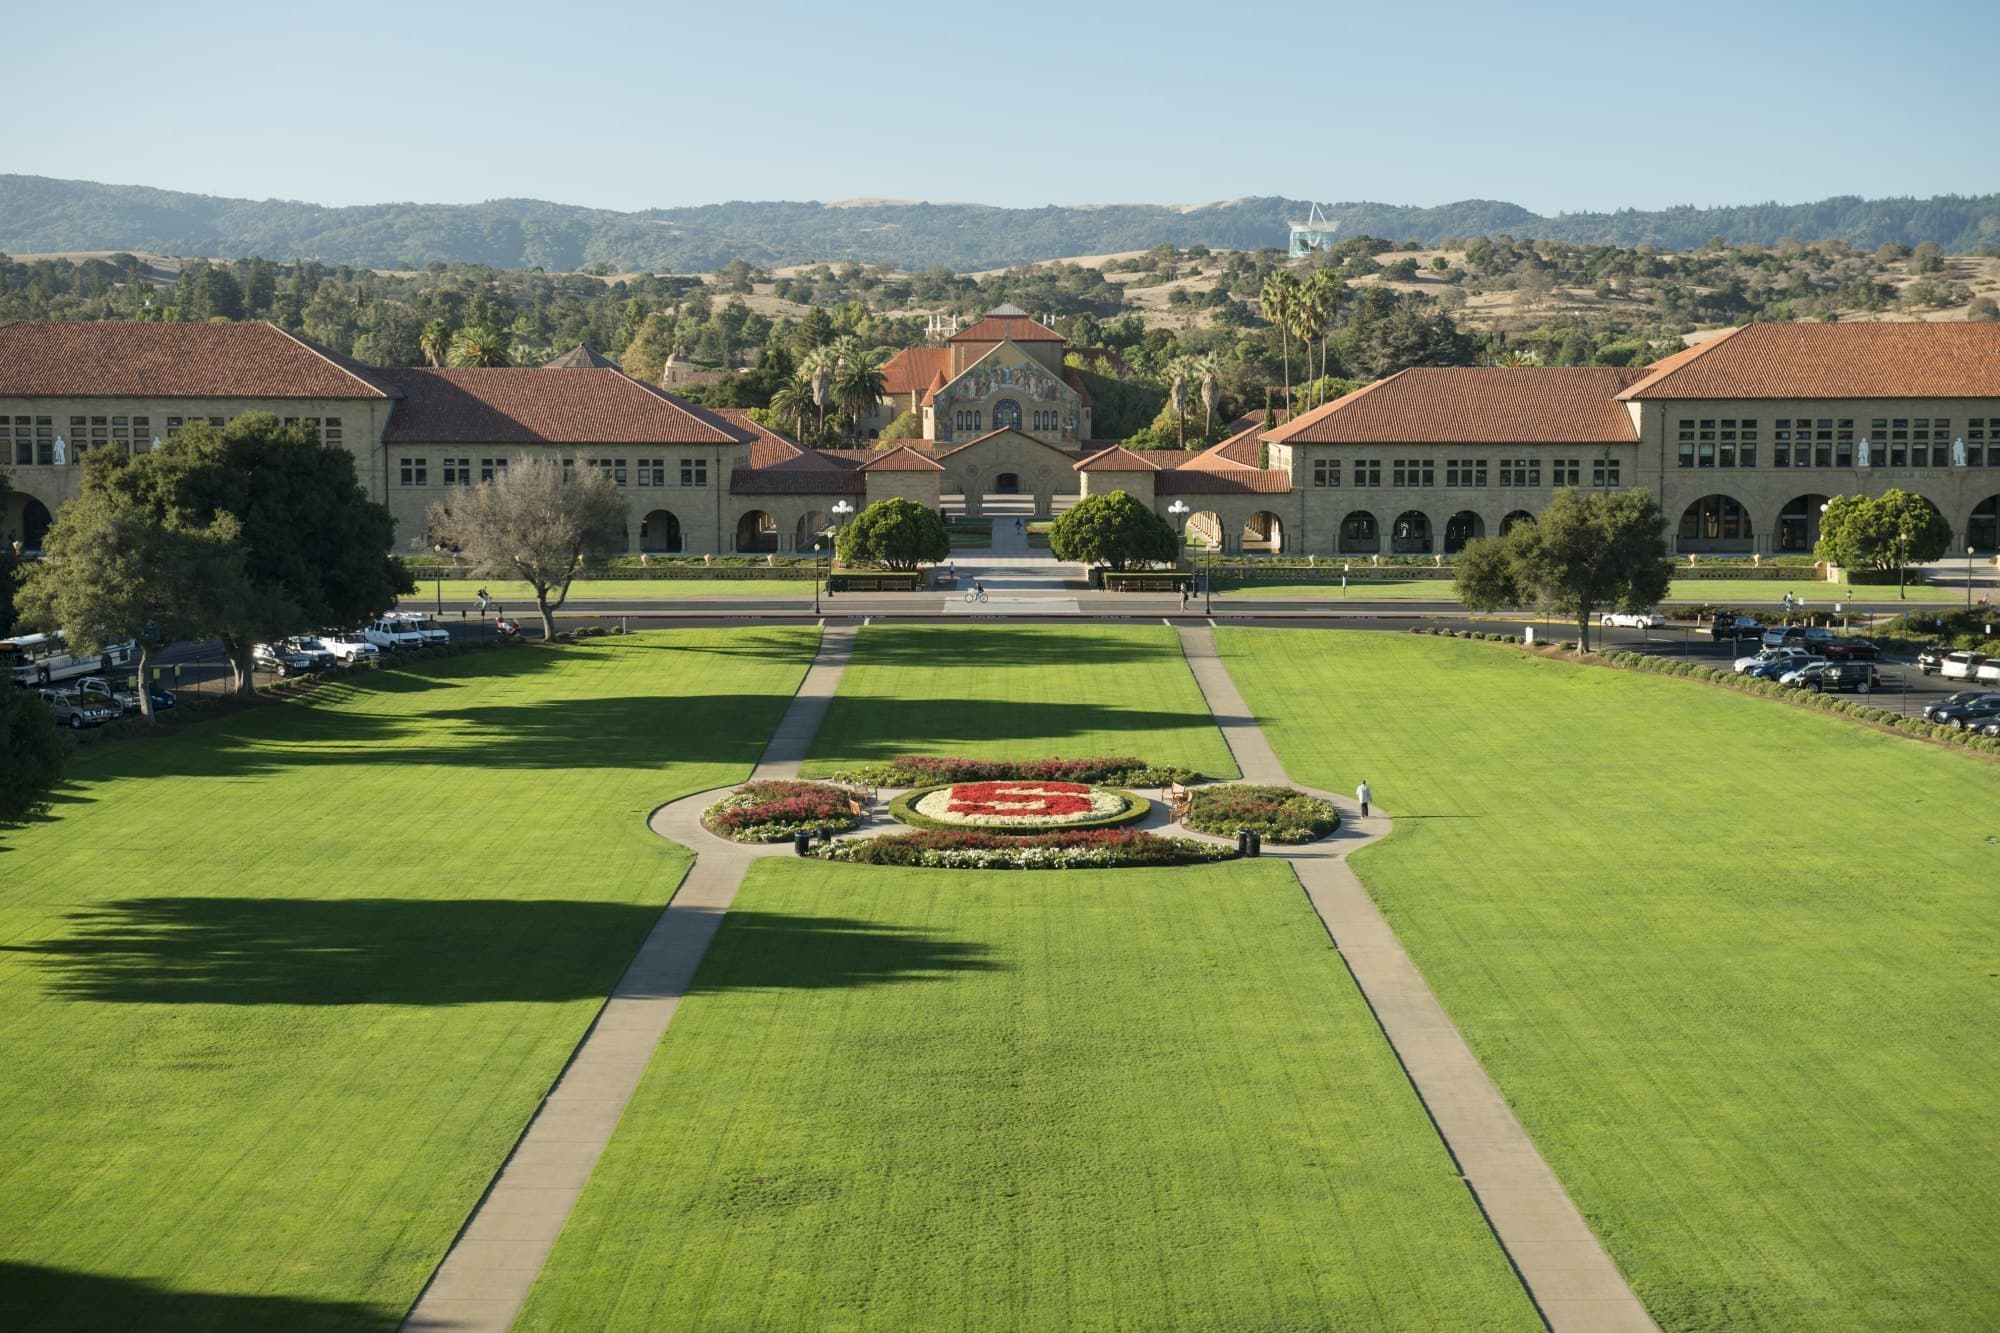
[35,523]
[1007,483]
[1798,523]
[1514,519]
[1716,524]
[1006,415]
[1264,532]
[1983,532]
[660,533]
[757,533]
[1204,530]
[1412,533]
[1359,534]
[809,529]
[1460,528]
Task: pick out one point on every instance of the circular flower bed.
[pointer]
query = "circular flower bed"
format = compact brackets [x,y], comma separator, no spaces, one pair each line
[1275,814]
[1018,805]
[775,811]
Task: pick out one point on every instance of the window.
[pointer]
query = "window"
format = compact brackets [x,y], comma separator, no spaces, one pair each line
[1520,472]
[416,472]
[652,472]
[493,469]
[173,427]
[45,440]
[457,472]
[1930,442]
[1604,473]
[329,430]
[694,472]
[1899,442]
[1326,472]
[1465,472]
[1367,472]
[1684,439]
[1979,451]
[1746,442]
[1566,472]
[1413,472]
[142,432]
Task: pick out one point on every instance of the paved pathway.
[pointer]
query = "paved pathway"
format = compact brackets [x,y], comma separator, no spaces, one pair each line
[1565,1269]
[485,1276]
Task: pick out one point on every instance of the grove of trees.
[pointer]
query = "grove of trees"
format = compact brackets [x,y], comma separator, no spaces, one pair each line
[1582,554]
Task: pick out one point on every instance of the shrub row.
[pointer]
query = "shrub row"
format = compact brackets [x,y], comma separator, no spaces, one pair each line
[903,809]
[1275,814]
[1492,637]
[972,849]
[773,811]
[917,770]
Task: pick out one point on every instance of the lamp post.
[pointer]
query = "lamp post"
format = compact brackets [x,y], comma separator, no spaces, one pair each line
[1180,511]
[841,511]
[1968,574]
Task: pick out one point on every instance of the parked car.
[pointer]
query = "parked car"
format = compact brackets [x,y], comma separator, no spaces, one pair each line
[76,710]
[1988,672]
[1960,666]
[1837,676]
[392,636]
[1990,727]
[1969,714]
[348,645]
[124,695]
[1768,656]
[1930,658]
[308,645]
[1779,635]
[429,629]
[1794,672]
[283,661]
[1632,619]
[1850,650]
[1780,667]
[1953,701]
[1735,627]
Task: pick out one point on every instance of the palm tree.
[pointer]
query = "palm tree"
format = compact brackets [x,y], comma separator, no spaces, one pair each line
[858,384]
[435,341]
[477,345]
[1211,390]
[1322,299]
[817,368]
[1280,292]
[1181,369]
[793,402]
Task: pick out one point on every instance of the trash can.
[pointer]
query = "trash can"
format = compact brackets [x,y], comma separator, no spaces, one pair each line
[802,843]
[1256,842]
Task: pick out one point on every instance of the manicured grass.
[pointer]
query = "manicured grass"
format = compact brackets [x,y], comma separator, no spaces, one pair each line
[1721,591]
[1732,962]
[516,598]
[1020,692]
[278,993]
[1086,1099]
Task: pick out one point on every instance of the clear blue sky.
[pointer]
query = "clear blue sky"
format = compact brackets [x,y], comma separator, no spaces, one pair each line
[1555,106]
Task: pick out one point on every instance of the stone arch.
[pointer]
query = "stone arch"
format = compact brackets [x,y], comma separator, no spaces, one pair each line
[1007,415]
[1460,528]
[1007,483]
[1797,528]
[1717,524]
[1204,527]
[757,533]
[660,533]
[1411,534]
[1982,527]
[28,521]
[810,528]
[1360,534]
[1264,531]
[1514,519]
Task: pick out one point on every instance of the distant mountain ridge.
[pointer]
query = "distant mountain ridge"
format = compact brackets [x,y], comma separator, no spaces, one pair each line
[40,214]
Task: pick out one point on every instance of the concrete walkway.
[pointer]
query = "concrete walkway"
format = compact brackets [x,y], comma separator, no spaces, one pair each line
[485,1277]
[1570,1278]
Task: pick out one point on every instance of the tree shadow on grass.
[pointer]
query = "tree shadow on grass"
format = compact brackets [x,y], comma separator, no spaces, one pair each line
[990,646]
[311,951]
[35,1299]
[781,951]
[395,951]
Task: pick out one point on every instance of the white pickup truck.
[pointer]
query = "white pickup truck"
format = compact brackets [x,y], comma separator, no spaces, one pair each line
[431,631]
[349,645]
[392,636]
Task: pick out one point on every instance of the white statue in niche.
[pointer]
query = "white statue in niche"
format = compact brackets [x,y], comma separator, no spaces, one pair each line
[62,451]
[1958,452]
[1862,456]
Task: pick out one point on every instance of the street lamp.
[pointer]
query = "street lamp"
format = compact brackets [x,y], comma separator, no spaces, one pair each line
[1180,511]
[1968,575]
[841,511]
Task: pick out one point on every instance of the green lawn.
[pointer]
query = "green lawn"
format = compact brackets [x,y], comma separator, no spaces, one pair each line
[1020,691]
[1117,1099]
[1732,962]
[1722,591]
[278,993]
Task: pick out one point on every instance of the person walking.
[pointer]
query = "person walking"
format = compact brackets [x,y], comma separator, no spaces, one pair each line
[1361,794]
[1185,589]
[485,602]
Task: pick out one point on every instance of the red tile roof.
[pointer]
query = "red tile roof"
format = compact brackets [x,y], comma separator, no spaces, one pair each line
[911,370]
[1020,328]
[1072,455]
[108,359]
[901,459]
[1243,449]
[1117,459]
[1234,481]
[796,481]
[769,448]
[930,394]
[504,405]
[1475,405]
[1833,361]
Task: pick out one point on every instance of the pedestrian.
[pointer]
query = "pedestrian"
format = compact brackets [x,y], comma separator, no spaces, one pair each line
[1184,595]
[485,602]
[1361,794]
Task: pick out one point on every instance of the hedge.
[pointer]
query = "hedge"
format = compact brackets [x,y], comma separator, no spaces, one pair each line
[1067,849]
[923,770]
[1275,814]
